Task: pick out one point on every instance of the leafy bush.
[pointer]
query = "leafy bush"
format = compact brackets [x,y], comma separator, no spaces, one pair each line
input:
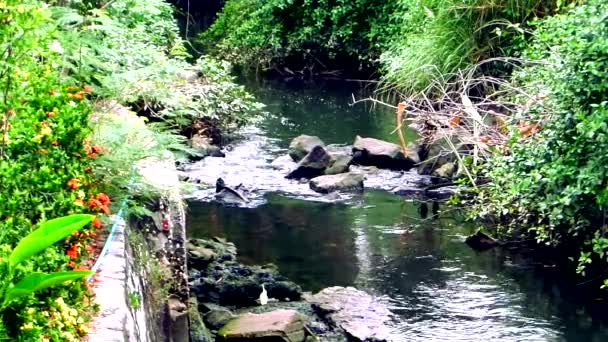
[438,37]
[303,33]
[555,184]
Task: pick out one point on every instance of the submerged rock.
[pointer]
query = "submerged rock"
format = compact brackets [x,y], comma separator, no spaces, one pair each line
[225,281]
[481,241]
[303,145]
[359,314]
[278,325]
[313,164]
[383,154]
[339,182]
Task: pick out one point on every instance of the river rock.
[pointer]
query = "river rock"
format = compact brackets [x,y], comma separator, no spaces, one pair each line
[360,315]
[383,154]
[313,164]
[204,148]
[225,281]
[227,194]
[278,325]
[339,164]
[481,241]
[340,182]
[283,163]
[445,171]
[199,256]
[303,145]
[218,317]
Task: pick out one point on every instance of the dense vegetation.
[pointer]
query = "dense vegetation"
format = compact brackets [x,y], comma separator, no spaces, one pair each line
[555,184]
[65,68]
[410,41]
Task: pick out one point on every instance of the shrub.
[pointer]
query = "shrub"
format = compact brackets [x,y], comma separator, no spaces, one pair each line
[555,185]
[317,35]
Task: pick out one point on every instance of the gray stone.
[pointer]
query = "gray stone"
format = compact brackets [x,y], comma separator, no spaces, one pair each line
[203,147]
[303,145]
[445,171]
[481,241]
[339,164]
[383,154]
[178,313]
[360,315]
[313,164]
[284,325]
[218,317]
[363,170]
[283,163]
[199,257]
[339,182]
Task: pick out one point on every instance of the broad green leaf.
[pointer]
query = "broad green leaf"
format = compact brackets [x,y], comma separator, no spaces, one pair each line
[39,281]
[47,234]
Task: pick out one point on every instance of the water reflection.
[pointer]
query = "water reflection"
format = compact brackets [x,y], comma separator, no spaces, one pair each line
[438,288]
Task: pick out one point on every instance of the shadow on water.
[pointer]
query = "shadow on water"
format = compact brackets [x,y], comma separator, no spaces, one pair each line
[410,254]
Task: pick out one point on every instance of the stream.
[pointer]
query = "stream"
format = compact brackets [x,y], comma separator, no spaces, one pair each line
[409,253]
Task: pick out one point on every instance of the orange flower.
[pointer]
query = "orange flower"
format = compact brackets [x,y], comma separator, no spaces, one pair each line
[76,233]
[97,223]
[79,202]
[89,248]
[50,114]
[103,198]
[55,143]
[93,203]
[97,148]
[88,169]
[73,183]
[88,89]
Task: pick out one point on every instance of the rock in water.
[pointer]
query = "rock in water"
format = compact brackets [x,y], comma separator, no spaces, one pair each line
[383,154]
[227,194]
[280,325]
[313,165]
[445,171]
[303,145]
[339,182]
[203,148]
[360,315]
[339,164]
[481,241]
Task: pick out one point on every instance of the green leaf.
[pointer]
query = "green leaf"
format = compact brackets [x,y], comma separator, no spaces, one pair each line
[47,234]
[39,281]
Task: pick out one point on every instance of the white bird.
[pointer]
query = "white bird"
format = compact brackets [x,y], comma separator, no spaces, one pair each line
[263,296]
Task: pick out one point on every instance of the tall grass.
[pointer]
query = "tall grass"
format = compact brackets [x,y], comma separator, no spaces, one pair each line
[438,37]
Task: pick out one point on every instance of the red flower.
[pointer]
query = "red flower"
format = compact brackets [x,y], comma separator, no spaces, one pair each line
[97,223]
[97,148]
[72,252]
[103,198]
[73,183]
[105,209]
[89,249]
[88,169]
[76,233]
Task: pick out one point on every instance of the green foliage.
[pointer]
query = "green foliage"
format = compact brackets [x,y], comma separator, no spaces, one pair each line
[320,34]
[35,242]
[555,183]
[438,37]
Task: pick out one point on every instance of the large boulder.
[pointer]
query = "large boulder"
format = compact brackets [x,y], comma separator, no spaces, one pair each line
[302,145]
[340,182]
[361,316]
[278,325]
[313,164]
[383,154]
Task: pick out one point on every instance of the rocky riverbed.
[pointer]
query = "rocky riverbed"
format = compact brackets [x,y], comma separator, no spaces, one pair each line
[228,299]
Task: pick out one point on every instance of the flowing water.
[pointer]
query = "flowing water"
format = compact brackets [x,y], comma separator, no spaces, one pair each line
[409,253]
